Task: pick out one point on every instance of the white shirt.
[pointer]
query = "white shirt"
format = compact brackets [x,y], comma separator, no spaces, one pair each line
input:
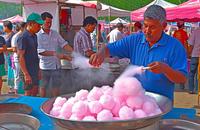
[49,42]
[14,44]
[115,35]
[194,40]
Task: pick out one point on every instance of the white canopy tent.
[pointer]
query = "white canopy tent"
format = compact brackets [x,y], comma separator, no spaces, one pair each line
[112,11]
[118,20]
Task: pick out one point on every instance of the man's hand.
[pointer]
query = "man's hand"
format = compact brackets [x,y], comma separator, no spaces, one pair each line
[4,48]
[67,57]
[60,56]
[158,67]
[96,59]
[27,79]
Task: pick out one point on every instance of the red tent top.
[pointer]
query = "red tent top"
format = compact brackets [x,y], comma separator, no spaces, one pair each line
[188,11]
[137,15]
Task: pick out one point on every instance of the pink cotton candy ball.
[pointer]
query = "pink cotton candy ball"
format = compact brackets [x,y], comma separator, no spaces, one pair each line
[95,94]
[128,86]
[126,113]
[66,110]
[117,107]
[107,90]
[151,99]
[89,118]
[59,101]
[135,102]
[116,118]
[71,100]
[107,101]
[75,117]
[95,107]
[139,113]
[105,87]
[148,107]
[80,108]
[158,111]
[55,111]
[104,115]
[82,94]
[141,93]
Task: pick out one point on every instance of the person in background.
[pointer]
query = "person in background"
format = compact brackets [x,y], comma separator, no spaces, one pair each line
[194,49]
[19,29]
[96,38]
[116,34]
[2,61]
[164,54]
[28,56]
[82,40]
[137,27]
[48,42]
[181,35]
[7,28]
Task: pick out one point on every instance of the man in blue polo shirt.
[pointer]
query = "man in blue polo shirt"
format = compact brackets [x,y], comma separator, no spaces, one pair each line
[162,53]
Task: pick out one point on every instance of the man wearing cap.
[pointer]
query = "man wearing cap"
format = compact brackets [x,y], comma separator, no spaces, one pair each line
[48,42]
[28,55]
[116,34]
[164,54]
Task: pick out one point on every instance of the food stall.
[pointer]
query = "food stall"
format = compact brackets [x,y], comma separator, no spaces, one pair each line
[77,79]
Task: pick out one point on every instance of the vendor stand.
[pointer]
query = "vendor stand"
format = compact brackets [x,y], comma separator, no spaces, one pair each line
[46,123]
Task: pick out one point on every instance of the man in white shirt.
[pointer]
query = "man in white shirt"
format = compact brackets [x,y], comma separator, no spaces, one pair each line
[48,42]
[116,34]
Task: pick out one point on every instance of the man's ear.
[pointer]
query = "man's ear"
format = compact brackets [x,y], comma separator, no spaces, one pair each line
[164,25]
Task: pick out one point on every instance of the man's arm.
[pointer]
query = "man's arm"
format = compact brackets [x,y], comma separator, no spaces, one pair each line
[97,59]
[173,75]
[68,48]
[22,63]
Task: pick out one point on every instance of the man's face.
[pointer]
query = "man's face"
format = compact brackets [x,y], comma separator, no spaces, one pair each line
[5,29]
[47,24]
[90,28]
[152,30]
[36,27]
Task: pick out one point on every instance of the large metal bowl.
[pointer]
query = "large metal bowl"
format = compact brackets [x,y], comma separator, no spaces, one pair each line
[16,121]
[164,103]
[15,108]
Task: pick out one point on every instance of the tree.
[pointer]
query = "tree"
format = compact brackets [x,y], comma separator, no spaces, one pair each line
[9,10]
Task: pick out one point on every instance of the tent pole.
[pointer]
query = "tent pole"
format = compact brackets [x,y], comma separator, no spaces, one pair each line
[97,30]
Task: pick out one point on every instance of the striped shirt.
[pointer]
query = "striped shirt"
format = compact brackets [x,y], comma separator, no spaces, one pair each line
[82,41]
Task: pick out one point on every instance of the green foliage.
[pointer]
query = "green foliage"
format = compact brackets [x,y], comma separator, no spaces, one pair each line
[9,10]
[133,4]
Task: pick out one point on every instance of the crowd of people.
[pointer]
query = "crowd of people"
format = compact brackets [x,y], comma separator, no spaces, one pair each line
[31,55]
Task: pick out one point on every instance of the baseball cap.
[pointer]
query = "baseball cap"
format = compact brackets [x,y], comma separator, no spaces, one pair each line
[35,17]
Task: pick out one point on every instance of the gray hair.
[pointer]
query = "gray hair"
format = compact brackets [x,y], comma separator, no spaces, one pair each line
[155,12]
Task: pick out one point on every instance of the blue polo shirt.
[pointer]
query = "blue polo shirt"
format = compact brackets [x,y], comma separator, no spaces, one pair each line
[167,50]
[29,44]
